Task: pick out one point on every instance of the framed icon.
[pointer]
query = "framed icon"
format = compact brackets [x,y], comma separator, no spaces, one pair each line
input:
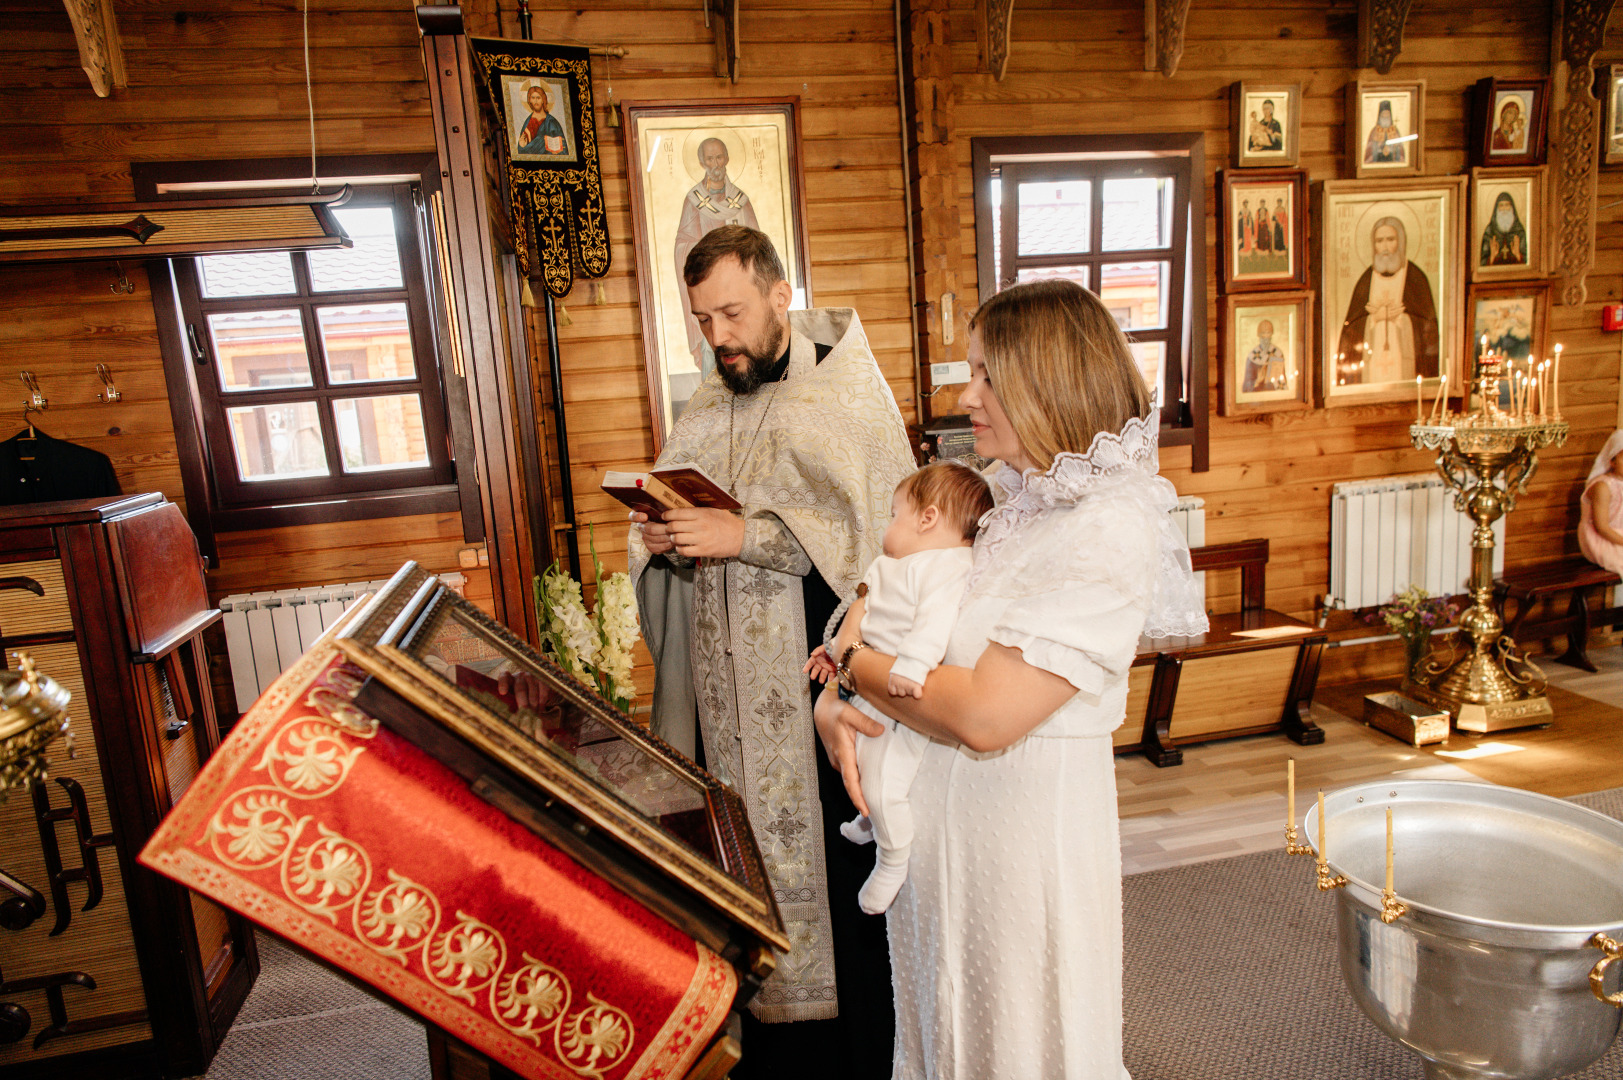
[1508,239]
[1386,127]
[694,166]
[1266,340]
[1266,123]
[1264,215]
[1508,118]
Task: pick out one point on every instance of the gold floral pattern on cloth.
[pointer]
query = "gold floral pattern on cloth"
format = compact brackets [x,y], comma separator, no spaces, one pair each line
[326,891]
[556,204]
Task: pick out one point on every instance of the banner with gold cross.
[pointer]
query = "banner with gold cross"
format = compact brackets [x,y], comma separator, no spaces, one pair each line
[542,94]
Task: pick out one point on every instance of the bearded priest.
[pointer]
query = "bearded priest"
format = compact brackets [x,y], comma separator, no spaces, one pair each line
[798,423]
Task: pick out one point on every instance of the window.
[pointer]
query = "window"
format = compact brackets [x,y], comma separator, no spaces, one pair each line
[1124,217]
[313,377]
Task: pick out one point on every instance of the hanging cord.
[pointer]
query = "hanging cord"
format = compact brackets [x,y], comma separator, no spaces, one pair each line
[310,100]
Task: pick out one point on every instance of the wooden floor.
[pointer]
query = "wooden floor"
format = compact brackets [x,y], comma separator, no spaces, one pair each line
[1228,797]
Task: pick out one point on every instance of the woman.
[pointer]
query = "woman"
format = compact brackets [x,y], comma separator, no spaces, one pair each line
[1600,526]
[1006,938]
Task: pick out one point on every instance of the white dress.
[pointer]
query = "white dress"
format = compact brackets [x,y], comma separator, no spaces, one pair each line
[1006,946]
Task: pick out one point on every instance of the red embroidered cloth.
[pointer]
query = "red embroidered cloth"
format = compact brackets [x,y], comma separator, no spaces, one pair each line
[355,845]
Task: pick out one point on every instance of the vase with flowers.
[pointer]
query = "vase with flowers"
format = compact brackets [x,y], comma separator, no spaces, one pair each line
[594,648]
[1413,615]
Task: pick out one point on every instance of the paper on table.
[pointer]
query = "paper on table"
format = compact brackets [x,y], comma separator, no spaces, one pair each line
[1274,631]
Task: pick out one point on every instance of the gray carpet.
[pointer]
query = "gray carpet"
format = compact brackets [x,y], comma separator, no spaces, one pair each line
[302,1022]
[1232,975]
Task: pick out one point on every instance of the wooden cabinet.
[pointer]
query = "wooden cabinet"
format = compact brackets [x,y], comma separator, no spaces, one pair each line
[108,970]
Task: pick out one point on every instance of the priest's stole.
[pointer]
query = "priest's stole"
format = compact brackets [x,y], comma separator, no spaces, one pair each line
[342,838]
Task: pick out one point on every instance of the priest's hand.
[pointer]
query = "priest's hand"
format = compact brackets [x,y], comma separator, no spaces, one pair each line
[702,533]
[839,725]
[656,536]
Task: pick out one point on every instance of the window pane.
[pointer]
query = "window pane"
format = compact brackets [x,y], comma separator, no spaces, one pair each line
[1078,274]
[377,433]
[366,343]
[997,232]
[1137,213]
[277,442]
[260,273]
[1152,358]
[374,261]
[1054,216]
[1136,293]
[260,349]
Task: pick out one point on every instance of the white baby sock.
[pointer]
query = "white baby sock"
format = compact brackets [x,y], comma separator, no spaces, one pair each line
[859,830]
[885,882]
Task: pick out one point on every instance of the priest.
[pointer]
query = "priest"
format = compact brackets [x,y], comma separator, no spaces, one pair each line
[1390,333]
[798,423]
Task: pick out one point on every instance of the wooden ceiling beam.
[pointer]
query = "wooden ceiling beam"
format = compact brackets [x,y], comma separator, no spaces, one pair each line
[1163,34]
[1577,29]
[1380,32]
[101,53]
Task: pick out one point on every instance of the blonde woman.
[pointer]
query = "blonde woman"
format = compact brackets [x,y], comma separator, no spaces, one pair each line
[1006,938]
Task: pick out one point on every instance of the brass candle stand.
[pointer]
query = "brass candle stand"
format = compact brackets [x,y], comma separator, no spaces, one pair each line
[1491,685]
[1392,909]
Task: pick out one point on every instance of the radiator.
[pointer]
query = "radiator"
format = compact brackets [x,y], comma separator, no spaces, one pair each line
[266,631]
[1397,531]
[1190,517]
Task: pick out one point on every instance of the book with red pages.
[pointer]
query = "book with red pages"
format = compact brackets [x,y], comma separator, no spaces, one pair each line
[669,487]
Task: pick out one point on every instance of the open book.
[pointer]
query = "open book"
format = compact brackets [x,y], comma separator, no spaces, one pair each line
[669,487]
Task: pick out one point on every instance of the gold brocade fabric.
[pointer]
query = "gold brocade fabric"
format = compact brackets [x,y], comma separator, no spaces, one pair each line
[550,141]
[815,460]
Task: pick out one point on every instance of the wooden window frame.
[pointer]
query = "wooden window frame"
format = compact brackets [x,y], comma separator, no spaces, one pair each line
[219,502]
[1179,156]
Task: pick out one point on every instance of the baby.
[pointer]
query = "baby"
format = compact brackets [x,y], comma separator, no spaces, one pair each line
[912,593]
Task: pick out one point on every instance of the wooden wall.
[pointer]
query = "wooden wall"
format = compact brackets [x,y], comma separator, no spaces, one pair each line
[208,79]
[840,61]
[1073,70]
[221,78]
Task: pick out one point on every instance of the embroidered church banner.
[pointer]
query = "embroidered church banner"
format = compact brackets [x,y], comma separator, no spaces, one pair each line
[356,846]
[543,98]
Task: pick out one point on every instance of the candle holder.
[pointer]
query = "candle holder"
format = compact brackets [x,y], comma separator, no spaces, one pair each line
[1392,909]
[1325,879]
[1491,685]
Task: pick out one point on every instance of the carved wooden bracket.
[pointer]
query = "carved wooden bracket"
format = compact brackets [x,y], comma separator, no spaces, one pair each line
[1163,34]
[723,19]
[1380,32]
[995,16]
[100,52]
[1578,30]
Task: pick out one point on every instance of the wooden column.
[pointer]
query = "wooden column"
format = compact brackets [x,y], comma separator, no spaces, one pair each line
[932,163]
[479,352]
[1576,35]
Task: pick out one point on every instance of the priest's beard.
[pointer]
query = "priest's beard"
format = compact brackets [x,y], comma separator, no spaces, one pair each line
[1388,263]
[1505,219]
[759,356]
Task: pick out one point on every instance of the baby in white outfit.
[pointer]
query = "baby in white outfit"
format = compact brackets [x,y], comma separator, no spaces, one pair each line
[912,595]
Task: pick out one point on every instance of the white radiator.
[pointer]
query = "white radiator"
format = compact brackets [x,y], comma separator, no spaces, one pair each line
[266,631]
[1397,531]
[1190,517]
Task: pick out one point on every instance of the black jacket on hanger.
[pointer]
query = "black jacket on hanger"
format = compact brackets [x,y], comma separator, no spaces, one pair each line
[59,470]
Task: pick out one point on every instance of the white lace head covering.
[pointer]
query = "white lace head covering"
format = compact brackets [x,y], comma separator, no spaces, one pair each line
[1603,460]
[1121,465]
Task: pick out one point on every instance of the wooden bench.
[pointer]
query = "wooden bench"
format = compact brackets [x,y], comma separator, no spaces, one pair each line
[1575,576]
[1254,670]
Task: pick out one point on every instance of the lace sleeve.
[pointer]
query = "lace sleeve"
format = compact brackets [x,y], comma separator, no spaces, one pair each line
[1083,633]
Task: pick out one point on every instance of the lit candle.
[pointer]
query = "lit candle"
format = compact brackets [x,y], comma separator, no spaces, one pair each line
[1557,387]
[1290,793]
[1417,396]
[1321,824]
[1389,850]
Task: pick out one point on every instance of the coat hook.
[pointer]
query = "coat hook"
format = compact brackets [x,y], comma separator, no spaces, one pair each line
[112,393]
[122,285]
[36,399]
